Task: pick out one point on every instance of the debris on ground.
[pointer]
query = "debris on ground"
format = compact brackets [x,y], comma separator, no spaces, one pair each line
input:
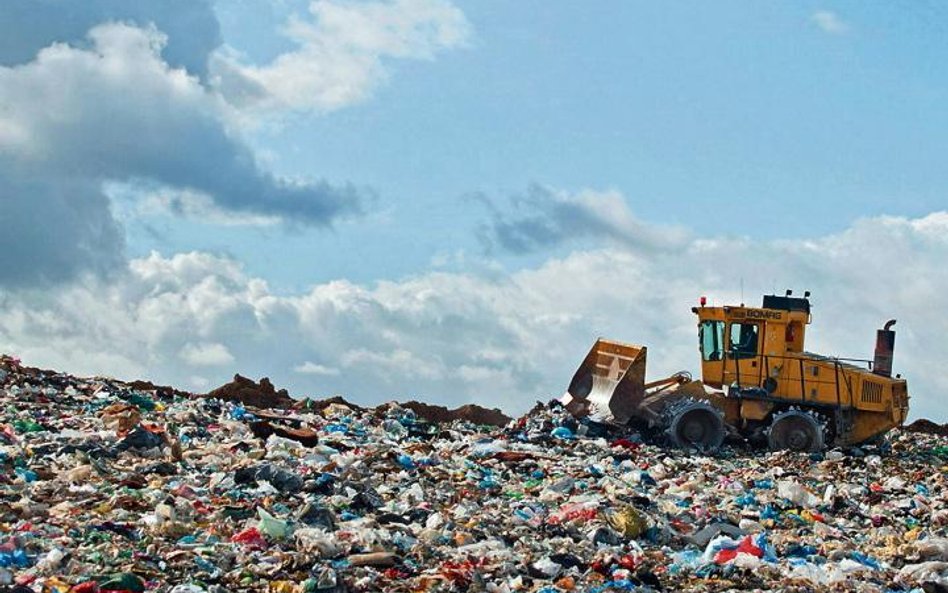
[110,487]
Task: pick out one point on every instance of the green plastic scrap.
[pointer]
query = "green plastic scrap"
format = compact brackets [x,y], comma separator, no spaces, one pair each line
[271,526]
[23,426]
[123,581]
[143,403]
[940,451]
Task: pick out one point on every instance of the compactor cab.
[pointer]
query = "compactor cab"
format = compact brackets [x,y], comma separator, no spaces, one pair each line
[732,340]
[786,395]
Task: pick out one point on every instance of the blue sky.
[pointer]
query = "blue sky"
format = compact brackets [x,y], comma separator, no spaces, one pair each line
[744,118]
[329,176]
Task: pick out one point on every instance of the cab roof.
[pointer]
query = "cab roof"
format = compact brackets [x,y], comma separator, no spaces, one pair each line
[786,303]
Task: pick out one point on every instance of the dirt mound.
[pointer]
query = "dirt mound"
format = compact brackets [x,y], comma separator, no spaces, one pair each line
[160,390]
[481,415]
[265,396]
[927,427]
[249,393]
[470,413]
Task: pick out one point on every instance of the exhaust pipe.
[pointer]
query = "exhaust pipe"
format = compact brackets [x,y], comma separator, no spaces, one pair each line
[885,346]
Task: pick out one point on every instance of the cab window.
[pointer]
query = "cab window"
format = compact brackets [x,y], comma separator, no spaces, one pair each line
[711,336]
[743,340]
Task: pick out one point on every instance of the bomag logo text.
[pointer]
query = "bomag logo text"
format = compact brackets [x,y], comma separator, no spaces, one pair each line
[758,314]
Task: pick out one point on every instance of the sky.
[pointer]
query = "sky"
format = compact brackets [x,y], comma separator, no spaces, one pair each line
[450,201]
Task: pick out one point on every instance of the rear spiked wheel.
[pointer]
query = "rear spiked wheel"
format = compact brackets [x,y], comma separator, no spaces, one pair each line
[796,430]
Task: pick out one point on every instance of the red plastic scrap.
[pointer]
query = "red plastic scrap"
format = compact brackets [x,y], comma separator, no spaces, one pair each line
[461,572]
[573,512]
[86,587]
[626,444]
[458,572]
[250,538]
[628,562]
[747,546]
[394,574]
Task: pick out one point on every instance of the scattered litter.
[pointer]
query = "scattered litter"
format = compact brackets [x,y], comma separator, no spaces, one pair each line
[113,486]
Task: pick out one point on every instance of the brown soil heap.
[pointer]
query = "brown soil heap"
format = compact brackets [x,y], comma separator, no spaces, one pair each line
[927,427]
[260,395]
[470,413]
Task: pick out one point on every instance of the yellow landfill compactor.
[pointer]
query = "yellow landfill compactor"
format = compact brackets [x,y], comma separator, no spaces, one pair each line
[758,383]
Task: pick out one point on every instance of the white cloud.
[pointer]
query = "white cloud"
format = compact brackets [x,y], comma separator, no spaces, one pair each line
[126,109]
[495,338]
[198,382]
[79,119]
[311,368]
[340,55]
[393,366]
[829,22]
[206,354]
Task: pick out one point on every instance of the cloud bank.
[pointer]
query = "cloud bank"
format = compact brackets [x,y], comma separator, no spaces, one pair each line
[73,120]
[498,339]
[110,94]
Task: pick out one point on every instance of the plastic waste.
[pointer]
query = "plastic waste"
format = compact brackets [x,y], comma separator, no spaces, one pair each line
[123,581]
[627,521]
[797,493]
[94,494]
[188,588]
[271,526]
[250,538]
[280,478]
[139,439]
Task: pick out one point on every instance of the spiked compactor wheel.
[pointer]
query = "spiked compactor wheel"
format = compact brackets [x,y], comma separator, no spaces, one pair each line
[796,430]
[695,424]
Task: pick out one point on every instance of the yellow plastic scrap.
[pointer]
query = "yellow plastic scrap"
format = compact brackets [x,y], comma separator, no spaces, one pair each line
[629,522]
[55,585]
[284,587]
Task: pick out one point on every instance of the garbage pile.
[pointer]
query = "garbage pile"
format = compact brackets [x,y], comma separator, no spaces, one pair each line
[107,487]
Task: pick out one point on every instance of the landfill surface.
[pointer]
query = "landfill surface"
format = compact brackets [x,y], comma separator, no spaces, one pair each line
[114,486]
